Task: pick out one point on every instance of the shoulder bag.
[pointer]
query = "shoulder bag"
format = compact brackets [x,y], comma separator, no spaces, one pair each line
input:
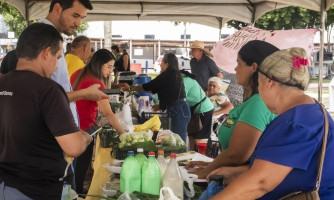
[195,123]
[314,194]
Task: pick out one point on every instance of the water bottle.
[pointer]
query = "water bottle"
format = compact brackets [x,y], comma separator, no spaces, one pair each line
[140,157]
[151,175]
[215,185]
[130,174]
[162,162]
[172,177]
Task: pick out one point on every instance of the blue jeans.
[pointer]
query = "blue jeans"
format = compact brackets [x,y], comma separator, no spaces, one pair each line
[10,193]
[180,117]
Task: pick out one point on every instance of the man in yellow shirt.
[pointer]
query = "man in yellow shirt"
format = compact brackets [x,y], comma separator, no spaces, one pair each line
[79,54]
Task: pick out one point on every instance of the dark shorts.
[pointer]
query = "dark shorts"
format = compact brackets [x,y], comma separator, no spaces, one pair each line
[206,119]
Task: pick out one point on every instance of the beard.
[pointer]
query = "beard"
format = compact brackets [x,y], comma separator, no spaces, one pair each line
[66,29]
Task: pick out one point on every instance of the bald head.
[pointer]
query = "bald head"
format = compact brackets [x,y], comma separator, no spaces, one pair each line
[81,47]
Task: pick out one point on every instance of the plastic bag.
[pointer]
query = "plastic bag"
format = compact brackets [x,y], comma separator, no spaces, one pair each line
[124,117]
[190,191]
[167,194]
[128,196]
[168,138]
[153,124]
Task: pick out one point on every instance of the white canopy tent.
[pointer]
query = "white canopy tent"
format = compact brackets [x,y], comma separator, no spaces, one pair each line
[212,13]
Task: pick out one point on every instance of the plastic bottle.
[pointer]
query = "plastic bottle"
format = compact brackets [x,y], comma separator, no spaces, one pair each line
[140,157]
[130,174]
[151,175]
[162,162]
[172,177]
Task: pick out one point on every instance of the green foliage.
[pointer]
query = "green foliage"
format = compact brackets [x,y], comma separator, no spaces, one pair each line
[13,18]
[288,18]
[16,22]
[83,26]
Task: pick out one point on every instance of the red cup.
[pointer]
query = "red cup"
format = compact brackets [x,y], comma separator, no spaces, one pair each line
[201,147]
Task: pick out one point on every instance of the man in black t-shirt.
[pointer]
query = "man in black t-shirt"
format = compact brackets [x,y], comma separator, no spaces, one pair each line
[37,129]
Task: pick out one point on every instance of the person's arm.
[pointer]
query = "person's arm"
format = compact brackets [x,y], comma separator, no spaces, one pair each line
[91,93]
[125,62]
[74,144]
[107,112]
[229,173]
[242,144]
[214,70]
[262,178]
[225,108]
[220,75]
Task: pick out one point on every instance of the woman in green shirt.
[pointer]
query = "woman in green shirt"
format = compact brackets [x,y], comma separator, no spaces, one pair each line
[239,134]
[200,104]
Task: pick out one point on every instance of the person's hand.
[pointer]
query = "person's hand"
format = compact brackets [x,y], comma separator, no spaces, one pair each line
[124,86]
[200,172]
[229,173]
[200,164]
[156,107]
[94,94]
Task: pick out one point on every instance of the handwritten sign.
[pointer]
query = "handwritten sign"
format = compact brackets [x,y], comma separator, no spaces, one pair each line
[225,52]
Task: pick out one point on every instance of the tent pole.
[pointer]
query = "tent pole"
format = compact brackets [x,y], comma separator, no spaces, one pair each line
[27,12]
[220,28]
[321,51]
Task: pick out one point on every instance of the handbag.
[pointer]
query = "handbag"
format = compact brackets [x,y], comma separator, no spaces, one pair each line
[195,123]
[314,194]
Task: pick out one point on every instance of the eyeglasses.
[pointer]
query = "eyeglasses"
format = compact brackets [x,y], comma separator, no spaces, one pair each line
[109,66]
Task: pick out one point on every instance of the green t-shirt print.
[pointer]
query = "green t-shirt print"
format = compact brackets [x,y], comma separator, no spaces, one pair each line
[253,112]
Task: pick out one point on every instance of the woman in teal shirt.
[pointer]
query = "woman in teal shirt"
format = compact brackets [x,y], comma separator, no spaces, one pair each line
[239,134]
[200,104]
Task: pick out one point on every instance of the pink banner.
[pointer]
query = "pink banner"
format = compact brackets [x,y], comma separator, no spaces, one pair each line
[225,52]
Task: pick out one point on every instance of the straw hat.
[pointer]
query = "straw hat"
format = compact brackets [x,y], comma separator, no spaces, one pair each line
[200,45]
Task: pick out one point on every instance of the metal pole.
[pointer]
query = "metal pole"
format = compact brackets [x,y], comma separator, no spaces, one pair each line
[321,51]
[220,28]
[27,12]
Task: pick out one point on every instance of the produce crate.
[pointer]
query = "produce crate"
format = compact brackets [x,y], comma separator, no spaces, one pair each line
[164,118]
[121,154]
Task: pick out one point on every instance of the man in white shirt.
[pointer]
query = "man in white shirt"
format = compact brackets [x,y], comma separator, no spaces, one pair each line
[66,16]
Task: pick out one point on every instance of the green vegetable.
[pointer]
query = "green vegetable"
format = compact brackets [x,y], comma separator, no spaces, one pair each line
[147,146]
[114,106]
[109,138]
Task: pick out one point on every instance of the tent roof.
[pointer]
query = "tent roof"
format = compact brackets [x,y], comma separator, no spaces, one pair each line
[212,13]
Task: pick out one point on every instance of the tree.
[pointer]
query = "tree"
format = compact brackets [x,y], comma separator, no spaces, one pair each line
[16,22]
[13,18]
[291,18]
[284,18]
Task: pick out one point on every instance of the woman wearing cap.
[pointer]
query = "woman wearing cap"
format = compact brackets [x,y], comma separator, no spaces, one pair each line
[287,154]
[123,63]
[239,134]
[219,99]
[170,89]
